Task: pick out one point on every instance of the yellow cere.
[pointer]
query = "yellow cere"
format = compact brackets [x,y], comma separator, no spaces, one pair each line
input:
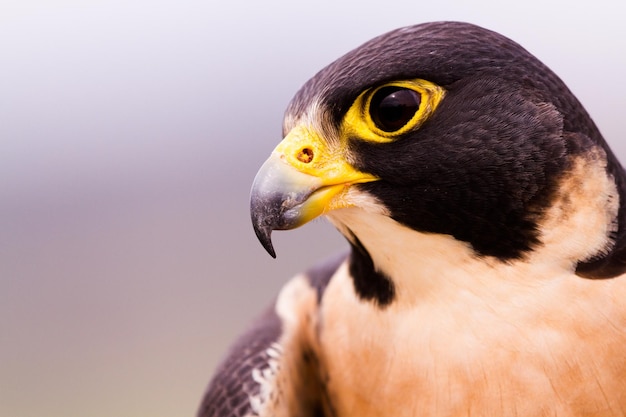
[358,121]
[307,152]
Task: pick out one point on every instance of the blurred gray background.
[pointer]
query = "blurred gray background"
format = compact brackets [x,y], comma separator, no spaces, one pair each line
[130,132]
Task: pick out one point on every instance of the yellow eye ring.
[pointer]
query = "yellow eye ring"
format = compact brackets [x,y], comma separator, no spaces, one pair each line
[384,113]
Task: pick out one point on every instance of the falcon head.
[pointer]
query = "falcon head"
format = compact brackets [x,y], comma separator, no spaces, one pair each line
[452,130]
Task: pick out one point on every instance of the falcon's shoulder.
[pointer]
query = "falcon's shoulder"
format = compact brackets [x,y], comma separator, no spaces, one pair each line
[273,368]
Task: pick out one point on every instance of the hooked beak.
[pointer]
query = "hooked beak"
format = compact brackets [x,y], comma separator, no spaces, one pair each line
[301,180]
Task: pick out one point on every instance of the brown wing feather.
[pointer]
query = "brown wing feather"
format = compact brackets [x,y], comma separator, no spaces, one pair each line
[232,385]
[272,369]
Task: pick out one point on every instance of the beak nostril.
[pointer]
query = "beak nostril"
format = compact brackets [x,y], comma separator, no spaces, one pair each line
[305,155]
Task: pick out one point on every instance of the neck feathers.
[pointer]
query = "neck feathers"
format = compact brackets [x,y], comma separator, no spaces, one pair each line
[393,263]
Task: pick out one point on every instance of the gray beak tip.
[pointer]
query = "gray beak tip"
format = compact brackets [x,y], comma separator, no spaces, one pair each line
[265,237]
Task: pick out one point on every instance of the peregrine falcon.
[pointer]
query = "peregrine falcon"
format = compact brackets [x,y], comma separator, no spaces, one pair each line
[487,230]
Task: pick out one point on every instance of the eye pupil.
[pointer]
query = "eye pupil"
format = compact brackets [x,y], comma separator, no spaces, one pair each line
[392,107]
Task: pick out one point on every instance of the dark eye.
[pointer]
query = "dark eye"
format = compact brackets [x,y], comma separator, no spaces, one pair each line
[392,107]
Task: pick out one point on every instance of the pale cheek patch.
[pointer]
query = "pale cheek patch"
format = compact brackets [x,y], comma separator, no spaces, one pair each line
[352,197]
[583,217]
